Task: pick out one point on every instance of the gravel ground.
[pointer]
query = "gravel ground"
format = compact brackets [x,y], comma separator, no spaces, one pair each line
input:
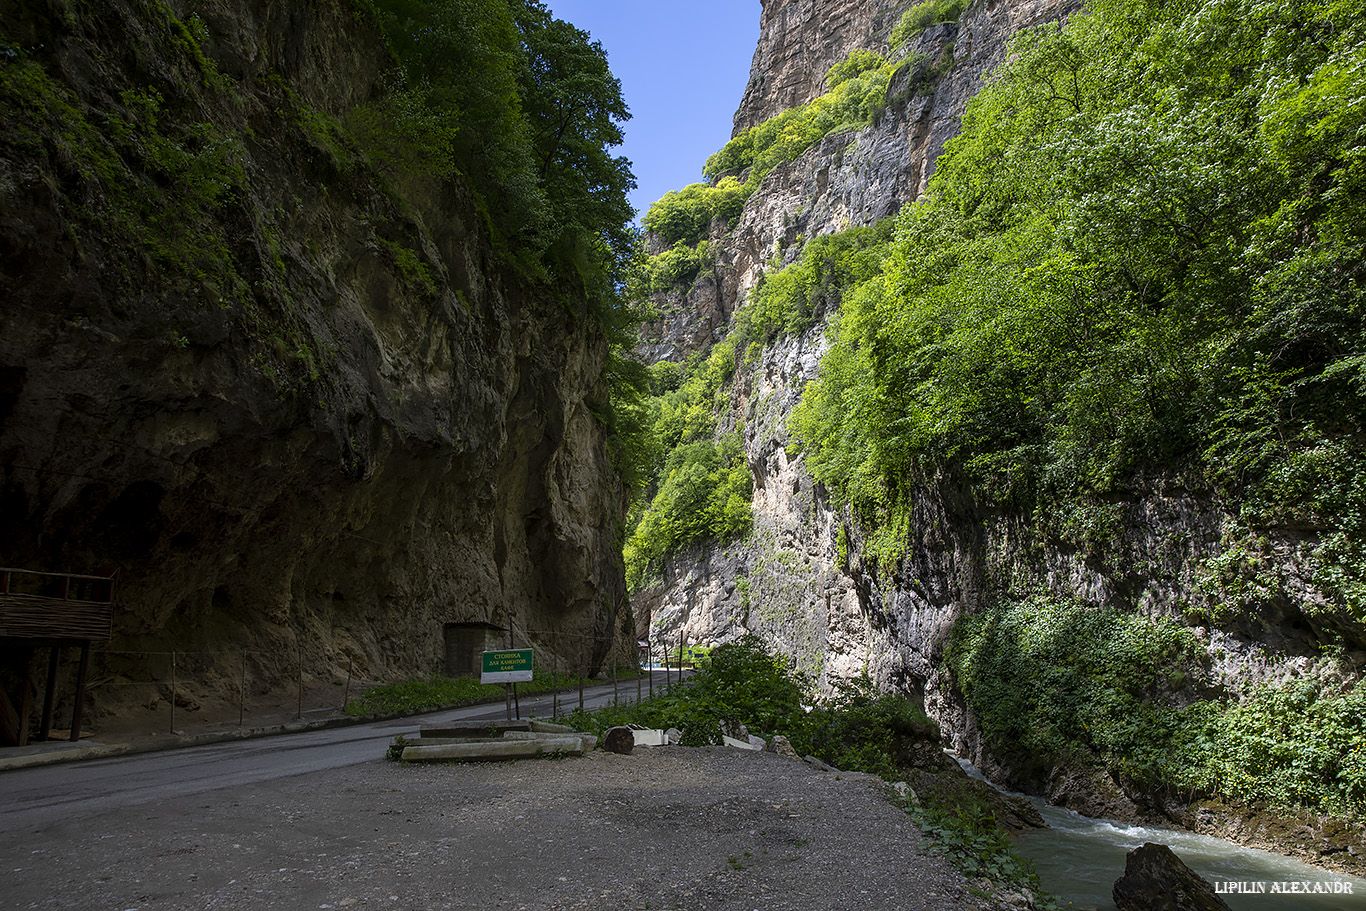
[684,828]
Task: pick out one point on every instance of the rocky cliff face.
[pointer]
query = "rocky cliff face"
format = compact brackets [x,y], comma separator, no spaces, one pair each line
[848,179]
[799,40]
[304,410]
[790,581]
[800,580]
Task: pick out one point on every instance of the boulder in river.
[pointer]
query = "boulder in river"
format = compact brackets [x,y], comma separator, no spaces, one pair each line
[1155,879]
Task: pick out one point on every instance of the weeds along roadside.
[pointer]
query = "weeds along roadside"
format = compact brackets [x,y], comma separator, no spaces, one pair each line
[413,697]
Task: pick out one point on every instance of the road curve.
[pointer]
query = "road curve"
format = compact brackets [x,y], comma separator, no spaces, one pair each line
[48,793]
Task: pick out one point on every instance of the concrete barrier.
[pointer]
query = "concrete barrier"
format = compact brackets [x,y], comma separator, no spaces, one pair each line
[491,750]
[545,727]
[473,728]
[588,740]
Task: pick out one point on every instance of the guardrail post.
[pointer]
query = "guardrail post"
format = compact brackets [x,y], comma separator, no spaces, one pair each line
[346,693]
[301,681]
[555,687]
[242,693]
[172,693]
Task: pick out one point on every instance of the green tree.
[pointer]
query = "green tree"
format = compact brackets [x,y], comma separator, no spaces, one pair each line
[1144,250]
[526,108]
[704,494]
[574,107]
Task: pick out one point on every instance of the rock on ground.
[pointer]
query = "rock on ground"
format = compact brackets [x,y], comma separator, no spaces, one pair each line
[1155,879]
[619,740]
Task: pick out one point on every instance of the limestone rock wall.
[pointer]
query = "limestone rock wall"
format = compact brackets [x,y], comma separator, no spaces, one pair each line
[799,40]
[801,580]
[791,581]
[849,179]
[383,429]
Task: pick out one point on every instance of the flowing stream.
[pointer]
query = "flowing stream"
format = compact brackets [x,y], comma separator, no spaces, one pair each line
[1079,858]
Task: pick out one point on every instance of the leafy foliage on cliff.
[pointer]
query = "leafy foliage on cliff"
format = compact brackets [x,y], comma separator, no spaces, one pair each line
[703,495]
[681,219]
[1144,251]
[122,157]
[921,16]
[525,107]
[680,265]
[146,166]
[697,488]
[857,93]
[685,216]
[685,408]
[1122,687]
[789,299]
[520,105]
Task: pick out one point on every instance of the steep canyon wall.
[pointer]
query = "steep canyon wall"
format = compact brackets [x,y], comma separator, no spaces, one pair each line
[304,409]
[800,580]
[789,581]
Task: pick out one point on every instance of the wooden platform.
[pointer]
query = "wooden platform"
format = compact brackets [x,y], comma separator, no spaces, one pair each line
[56,611]
[36,605]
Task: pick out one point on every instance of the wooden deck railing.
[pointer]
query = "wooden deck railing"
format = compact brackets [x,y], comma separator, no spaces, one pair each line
[37,605]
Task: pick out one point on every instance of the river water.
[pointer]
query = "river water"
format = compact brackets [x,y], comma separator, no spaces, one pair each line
[1078,860]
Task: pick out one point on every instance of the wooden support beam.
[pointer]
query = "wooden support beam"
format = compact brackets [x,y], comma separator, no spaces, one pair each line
[9,721]
[49,694]
[80,691]
[25,697]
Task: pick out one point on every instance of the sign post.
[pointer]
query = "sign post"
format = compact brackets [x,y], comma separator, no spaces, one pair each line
[509,666]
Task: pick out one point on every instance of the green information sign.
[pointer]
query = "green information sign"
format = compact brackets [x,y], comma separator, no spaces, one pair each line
[509,666]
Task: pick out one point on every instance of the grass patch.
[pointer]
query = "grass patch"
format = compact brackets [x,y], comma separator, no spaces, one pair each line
[965,830]
[414,696]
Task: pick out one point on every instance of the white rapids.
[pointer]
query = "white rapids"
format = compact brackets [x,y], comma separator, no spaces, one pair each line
[1079,858]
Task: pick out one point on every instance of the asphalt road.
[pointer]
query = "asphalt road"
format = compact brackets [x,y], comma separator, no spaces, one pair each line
[56,792]
[691,828]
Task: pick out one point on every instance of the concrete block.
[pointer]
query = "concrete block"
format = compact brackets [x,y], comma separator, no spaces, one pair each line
[588,740]
[473,728]
[546,727]
[489,751]
[646,737]
[740,744]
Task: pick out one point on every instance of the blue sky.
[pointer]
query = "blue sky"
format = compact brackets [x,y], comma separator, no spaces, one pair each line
[683,65]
